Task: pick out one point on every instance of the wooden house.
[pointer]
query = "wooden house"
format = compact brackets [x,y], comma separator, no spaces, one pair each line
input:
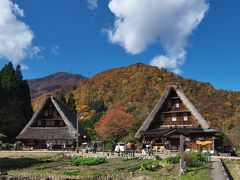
[54,123]
[175,115]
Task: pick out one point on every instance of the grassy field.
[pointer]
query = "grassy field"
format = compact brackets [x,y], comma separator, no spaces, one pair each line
[57,166]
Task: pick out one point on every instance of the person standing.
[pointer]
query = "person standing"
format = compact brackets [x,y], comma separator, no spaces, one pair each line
[150,151]
[133,149]
[94,147]
[113,149]
[64,146]
[148,147]
[117,149]
[143,148]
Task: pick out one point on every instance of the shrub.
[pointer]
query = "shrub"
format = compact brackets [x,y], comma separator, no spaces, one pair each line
[157,157]
[88,161]
[173,159]
[194,159]
[7,146]
[149,166]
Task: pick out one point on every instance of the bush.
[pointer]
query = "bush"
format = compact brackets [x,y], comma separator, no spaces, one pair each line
[157,157]
[88,161]
[7,146]
[194,159]
[149,166]
[172,160]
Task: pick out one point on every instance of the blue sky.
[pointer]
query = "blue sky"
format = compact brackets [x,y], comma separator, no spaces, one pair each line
[72,36]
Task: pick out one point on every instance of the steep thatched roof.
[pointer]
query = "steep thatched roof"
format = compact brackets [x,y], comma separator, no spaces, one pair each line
[176,87]
[47,133]
[68,132]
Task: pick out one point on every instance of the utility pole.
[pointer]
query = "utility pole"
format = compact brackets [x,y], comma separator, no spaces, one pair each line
[77,135]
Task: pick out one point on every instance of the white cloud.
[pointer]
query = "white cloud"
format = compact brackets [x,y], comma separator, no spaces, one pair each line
[92,4]
[55,50]
[15,36]
[139,23]
[24,67]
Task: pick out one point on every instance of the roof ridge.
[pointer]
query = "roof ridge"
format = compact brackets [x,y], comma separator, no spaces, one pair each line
[62,103]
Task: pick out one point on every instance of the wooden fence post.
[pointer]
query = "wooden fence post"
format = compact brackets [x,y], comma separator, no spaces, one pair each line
[182,161]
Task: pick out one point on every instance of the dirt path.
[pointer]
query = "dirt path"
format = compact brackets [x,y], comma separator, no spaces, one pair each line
[217,171]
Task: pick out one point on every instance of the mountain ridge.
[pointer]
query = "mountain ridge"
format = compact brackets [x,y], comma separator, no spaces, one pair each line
[53,82]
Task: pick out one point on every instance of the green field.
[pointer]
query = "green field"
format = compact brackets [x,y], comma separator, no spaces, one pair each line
[57,166]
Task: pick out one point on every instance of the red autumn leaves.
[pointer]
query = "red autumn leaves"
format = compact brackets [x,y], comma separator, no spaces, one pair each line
[114,124]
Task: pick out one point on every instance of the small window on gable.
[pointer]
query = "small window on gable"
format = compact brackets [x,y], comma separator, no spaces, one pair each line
[177,105]
[162,117]
[174,117]
[50,112]
[55,113]
[60,123]
[169,103]
[46,113]
[50,123]
[39,123]
[185,116]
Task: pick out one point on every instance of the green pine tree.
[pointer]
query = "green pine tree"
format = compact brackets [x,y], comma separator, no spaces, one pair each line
[61,96]
[15,105]
[7,80]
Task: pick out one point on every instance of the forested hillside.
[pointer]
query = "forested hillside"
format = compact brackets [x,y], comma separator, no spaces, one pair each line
[136,89]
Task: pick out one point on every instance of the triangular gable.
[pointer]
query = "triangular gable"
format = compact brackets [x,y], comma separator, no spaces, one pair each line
[66,114]
[176,87]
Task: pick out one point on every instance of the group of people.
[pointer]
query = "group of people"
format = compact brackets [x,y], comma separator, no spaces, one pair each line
[127,149]
[147,148]
[49,146]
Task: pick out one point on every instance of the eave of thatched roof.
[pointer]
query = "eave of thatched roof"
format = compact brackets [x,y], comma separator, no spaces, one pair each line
[172,86]
[45,133]
[65,112]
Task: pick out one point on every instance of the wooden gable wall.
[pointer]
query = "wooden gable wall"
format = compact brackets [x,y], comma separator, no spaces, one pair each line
[49,117]
[173,106]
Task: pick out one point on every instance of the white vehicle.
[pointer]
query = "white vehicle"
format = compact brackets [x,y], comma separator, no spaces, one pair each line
[120,146]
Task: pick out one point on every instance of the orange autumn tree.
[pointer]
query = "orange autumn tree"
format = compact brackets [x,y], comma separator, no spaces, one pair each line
[114,125]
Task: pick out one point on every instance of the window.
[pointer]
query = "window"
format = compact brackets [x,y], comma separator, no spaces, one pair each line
[50,123]
[177,105]
[50,112]
[55,113]
[45,113]
[59,142]
[57,123]
[51,141]
[162,117]
[39,123]
[169,103]
[60,123]
[174,117]
[185,116]
[70,142]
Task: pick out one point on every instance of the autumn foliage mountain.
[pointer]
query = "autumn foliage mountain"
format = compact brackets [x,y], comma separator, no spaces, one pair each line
[138,87]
